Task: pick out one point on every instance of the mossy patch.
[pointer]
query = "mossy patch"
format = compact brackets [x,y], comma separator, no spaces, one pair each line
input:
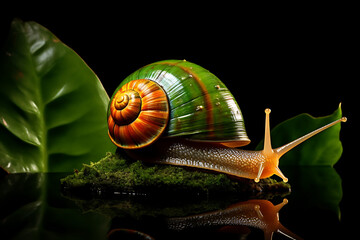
[115,175]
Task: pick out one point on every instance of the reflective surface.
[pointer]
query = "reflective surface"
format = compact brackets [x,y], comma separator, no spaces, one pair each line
[33,206]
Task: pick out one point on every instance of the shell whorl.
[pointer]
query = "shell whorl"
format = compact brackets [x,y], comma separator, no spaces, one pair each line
[138,114]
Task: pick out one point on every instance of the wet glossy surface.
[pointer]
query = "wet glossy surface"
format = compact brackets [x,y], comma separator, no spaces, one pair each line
[33,206]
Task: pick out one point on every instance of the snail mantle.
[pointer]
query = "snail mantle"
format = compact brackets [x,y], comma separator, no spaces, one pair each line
[115,176]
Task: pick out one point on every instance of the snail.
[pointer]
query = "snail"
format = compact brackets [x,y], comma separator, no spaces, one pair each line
[176,112]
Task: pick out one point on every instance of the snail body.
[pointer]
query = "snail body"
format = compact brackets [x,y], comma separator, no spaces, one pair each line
[176,112]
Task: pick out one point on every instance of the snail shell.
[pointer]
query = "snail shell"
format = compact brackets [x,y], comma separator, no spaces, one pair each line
[174,98]
[139,113]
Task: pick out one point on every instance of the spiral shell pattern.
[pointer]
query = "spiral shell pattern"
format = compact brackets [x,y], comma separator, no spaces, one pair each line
[138,114]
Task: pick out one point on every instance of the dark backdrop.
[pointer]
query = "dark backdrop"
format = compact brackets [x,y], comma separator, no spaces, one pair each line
[291,61]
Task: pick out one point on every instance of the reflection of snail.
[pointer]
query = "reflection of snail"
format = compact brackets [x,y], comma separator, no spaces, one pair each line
[260,214]
[189,116]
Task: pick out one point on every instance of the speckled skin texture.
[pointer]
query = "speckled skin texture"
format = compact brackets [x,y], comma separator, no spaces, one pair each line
[237,162]
[228,160]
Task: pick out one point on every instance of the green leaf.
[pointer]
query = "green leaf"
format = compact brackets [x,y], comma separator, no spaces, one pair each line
[324,149]
[53,107]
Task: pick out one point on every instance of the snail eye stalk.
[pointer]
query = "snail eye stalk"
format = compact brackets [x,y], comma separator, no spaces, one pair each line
[287,147]
[272,156]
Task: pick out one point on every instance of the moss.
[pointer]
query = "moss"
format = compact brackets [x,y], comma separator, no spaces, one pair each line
[116,175]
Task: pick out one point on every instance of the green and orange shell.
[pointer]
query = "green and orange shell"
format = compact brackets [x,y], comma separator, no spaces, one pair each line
[174,98]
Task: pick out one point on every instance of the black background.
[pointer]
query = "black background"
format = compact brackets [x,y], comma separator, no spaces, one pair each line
[292,59]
